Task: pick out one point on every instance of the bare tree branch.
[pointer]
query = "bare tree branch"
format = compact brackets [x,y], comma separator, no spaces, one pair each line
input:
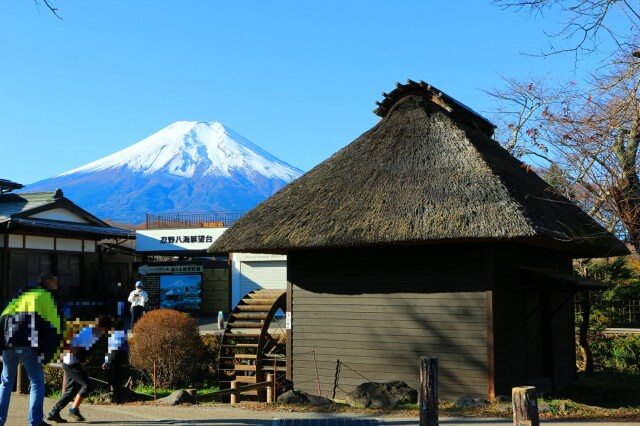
[585,21]
[50,6]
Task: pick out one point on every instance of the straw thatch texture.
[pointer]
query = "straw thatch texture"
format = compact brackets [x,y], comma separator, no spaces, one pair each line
[418,176]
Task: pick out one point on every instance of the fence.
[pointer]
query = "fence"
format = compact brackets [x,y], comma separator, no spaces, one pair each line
[623,312]
[192,220]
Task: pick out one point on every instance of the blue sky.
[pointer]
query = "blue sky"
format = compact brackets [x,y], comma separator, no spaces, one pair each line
[298,78]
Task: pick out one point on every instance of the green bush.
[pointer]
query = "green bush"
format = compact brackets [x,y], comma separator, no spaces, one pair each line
[619,353]
[53,378]
[170,340]
[209,369]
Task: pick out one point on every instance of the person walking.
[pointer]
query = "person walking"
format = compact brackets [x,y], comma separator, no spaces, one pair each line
[138,297]
[32,330]
[78,384]
[116,357]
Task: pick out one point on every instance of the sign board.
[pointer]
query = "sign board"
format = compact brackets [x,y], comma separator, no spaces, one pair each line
[178,239]
[288,321]
[170,269]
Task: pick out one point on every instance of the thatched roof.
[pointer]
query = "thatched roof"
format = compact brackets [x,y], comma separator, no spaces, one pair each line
[428,172]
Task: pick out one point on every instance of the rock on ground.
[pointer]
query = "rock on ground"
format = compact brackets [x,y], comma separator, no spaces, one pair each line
[382,395]
[177,397]
[300,397]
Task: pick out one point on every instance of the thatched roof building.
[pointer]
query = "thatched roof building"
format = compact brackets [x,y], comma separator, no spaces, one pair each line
[427,172]
[425,237]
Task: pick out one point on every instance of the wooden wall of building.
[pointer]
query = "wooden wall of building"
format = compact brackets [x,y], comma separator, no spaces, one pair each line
[378,310]
[533,323]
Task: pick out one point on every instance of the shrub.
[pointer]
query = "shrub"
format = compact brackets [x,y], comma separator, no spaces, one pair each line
[209,368]
[171,340]
[616,353]
[53,379]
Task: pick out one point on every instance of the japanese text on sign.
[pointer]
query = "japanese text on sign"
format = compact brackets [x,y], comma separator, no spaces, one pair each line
[186,239]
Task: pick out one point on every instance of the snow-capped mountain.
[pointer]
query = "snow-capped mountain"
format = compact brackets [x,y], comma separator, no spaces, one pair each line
[185,167]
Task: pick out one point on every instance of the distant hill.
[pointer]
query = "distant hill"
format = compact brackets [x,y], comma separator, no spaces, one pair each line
[185,167]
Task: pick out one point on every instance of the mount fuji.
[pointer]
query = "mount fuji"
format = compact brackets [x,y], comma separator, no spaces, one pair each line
[189,167]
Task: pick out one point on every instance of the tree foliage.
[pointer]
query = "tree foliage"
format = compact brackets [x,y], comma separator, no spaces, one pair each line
[583,136]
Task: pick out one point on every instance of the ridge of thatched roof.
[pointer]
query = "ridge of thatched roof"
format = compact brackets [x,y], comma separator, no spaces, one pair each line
[455,109]
[428,172]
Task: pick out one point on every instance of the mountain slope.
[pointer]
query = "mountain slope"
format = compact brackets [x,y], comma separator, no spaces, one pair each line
[185,167]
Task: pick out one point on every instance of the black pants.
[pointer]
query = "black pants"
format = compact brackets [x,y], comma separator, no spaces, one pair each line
[136,313]
[77,383]
[115,369]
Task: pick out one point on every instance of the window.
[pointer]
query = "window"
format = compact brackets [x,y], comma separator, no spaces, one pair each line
[39,264]
[68,271]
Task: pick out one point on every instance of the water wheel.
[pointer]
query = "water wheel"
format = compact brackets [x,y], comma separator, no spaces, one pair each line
[253,343]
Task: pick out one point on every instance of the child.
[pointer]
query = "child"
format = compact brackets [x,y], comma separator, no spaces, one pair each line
[77,385]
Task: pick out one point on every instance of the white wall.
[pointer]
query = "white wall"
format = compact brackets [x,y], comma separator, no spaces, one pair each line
[263,270]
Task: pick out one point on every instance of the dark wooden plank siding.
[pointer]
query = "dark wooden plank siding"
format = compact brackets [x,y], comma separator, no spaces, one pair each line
[564,349]
[381,337]
[377,310]
[509,341]
[523,314]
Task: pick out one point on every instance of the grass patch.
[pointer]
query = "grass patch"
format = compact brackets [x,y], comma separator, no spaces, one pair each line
[601,389]
[161,393]
[54,394]
[596,396]
[600,395]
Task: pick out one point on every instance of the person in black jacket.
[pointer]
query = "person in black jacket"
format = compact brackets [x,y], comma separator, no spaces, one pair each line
[32,330]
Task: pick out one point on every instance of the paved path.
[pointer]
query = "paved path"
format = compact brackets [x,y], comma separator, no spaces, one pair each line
[222,414]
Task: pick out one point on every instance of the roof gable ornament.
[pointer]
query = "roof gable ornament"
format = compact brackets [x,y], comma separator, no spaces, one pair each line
[8,186]
[457,110]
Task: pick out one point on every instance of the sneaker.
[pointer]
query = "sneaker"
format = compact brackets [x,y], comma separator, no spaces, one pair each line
[43,423]
[75,414]
[56,418]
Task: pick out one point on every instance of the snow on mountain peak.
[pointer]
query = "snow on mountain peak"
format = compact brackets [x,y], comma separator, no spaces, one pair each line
[185,148]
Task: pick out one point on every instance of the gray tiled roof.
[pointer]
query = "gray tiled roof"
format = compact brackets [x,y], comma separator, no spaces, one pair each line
[11,204]
[83,228]
[15,208]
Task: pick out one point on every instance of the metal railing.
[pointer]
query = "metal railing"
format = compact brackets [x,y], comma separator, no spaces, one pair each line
[192,220]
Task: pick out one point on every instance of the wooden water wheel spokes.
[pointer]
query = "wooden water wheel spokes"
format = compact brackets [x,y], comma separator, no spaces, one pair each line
[253,343]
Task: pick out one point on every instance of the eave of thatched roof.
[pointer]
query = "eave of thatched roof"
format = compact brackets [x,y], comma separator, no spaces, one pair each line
[428,172]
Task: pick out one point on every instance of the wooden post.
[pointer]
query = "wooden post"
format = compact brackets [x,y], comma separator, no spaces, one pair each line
[233,398]
[525,406]
[429,391]
[270,387]
[275,381]
[315,363]
[154,381]
[22,381]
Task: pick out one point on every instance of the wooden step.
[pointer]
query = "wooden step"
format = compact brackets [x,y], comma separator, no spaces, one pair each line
[263,294]
[254,308]
[246,316]
[244,367]
[245,356]
[242,345]
[246,379]
[260,301]
[241,336]
[245,324]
